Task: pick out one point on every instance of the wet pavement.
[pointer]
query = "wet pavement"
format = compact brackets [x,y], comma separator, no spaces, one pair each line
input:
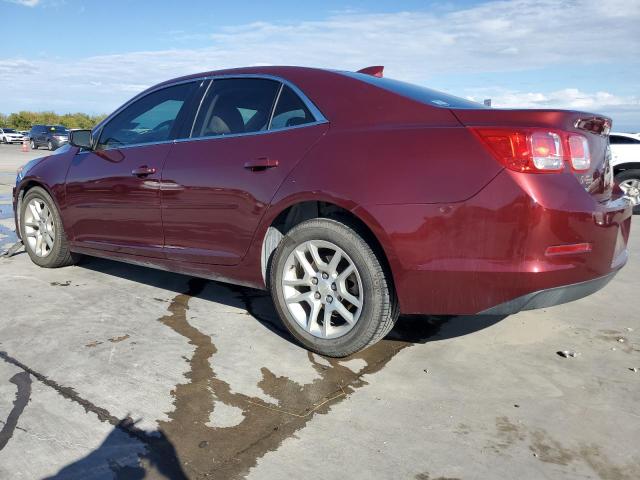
[116,371]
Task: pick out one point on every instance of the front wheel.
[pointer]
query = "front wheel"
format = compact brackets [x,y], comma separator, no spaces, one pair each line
[629,183]
[50,145]
[33,145]
[42,232]
[331,289]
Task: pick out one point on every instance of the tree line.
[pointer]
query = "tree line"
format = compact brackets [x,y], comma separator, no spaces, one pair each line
[24,120]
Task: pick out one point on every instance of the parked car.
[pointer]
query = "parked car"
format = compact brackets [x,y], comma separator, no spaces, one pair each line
[351,197]
[50,136]
[10,135]
[625,159]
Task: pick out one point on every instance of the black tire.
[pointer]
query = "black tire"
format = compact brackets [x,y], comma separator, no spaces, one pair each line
[60,255]
[631,174]
[380,307]
[34,145]
[50,146]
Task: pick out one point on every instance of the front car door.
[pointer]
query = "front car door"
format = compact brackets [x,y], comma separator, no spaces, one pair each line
[248,135]
[113,191]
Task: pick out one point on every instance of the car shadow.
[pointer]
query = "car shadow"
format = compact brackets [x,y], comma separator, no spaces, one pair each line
[258,304]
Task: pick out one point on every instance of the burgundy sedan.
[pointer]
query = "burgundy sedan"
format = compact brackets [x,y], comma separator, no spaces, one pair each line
[350,196]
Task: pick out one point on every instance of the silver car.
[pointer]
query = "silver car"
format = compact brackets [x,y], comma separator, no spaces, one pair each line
[10,135]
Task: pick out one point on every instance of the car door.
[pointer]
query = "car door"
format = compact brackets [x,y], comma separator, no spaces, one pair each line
[624,149]
[248,135]
[113,191]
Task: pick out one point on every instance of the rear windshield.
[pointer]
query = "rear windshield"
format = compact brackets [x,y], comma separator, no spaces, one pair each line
[57,129]
[416,92]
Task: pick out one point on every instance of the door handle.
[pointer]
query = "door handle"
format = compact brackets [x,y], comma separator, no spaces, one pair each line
[261,164]
[143,171]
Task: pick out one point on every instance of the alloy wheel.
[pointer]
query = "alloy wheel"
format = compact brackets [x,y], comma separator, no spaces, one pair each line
[631,188]
[39,227]
[322,289]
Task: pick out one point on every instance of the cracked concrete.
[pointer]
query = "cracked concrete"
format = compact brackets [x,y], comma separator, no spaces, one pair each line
[115,371]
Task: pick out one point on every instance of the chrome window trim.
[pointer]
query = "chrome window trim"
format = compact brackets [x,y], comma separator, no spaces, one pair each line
[195,117]
[317,114]
[274,106]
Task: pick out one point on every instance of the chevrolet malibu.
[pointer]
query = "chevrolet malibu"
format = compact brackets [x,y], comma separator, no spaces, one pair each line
[350,196]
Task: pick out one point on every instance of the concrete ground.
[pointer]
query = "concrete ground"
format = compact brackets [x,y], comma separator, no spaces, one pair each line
[115,371]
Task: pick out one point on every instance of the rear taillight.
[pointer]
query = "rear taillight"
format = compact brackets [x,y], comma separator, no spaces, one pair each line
[536,150]
[579,151]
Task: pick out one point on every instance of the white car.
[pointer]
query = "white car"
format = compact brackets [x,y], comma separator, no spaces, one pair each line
[625,160]
[9,135]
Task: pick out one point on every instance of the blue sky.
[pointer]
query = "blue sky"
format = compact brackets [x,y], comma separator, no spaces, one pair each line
[73,55]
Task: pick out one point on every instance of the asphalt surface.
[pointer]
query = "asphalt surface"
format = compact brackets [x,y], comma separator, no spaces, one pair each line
[115,371]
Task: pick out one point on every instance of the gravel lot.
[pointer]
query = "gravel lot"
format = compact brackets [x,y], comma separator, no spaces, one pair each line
[115,371]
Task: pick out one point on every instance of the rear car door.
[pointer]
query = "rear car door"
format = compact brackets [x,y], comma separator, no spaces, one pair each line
[248,135]
[113,191]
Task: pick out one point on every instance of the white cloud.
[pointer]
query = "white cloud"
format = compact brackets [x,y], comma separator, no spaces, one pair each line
[498,36]
[571,98]
[625,110]
[26,3]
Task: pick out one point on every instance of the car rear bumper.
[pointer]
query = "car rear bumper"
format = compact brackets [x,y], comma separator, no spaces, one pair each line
[491,250]
[550,297]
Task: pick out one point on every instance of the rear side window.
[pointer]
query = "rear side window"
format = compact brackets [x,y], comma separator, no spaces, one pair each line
[290,110]
[150,119]
[236,105]
[416,92]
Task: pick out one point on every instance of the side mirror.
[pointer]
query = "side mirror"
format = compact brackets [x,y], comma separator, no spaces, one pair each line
[81,138]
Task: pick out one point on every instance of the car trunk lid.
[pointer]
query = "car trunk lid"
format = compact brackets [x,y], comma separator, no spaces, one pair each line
[597,179]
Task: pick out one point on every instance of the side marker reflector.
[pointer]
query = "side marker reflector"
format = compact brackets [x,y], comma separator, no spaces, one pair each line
[568,249]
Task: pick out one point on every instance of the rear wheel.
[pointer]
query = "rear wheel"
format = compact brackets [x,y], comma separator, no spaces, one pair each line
[42,232]
[629,183]
[330,288]
[33,145]
[50,145]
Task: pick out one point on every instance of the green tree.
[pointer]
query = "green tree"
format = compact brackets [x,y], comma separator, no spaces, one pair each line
[23,120]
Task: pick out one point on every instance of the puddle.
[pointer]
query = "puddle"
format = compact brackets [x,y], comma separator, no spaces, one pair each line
[231,450]
[214,431]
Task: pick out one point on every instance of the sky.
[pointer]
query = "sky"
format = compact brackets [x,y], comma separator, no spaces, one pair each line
[91,56]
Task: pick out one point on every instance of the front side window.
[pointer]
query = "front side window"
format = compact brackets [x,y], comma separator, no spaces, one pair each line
[236,105]
[150,119]
[290,111]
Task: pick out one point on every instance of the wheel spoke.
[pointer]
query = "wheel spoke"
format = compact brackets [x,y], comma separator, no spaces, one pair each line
[312,323]
[344,313]
[333,264]
[301,297]
[34,211]
[48,239]
[348,297]
[326,322]
[39,244]
[315,254]
[297,282]
[345,273]
[31,224]
[304,263]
